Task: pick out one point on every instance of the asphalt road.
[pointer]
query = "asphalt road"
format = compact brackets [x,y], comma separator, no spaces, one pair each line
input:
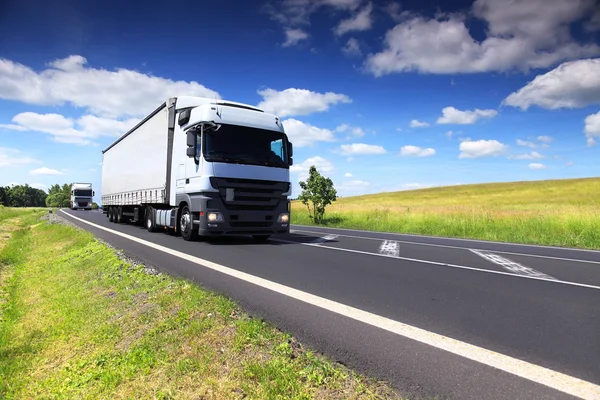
[436,317]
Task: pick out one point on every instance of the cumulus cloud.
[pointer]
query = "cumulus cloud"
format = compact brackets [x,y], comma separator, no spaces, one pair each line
[305,135]
[347,175]
[517,39]
[352,187]
[294,36]
[356,149]
[323,165]
[545,139]
[352,47]
[353,131]
[528,156]
[293,102]
[111,94]
[573,84]
[359,22]
[416,151]
[82,131]
[11,157]
[536,166]
[592,128]
[45,171]
[451,115]
[481,148]
[415,123]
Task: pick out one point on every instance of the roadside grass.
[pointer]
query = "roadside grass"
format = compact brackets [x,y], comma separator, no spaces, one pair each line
[554,212]
[81,322]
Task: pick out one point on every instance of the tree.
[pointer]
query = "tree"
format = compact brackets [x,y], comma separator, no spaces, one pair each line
[317,193]
[22,196]
[59,196]
[94,206]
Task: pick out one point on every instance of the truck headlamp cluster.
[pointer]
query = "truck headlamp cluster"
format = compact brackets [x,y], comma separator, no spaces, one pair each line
[215,217]
[283,218]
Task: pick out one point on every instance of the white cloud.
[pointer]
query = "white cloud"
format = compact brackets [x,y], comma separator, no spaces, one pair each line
[66,130]
[305,135]
[573,84]
[347,175]
[416,151]
[526,143]
[294,36]
[545,139]
[536,166]
[354,131]
[517,39]
[9,157]
[414,186]
[570,163]
[13,127]
[481,148]
[323,165]
[39,186]
[449,134]
[528,156]
[592,128]
[418,124]
[353,187]
[111,94]
[294,101]
[45,171]
[359,22]
[451,115]
[352,47]
[356,149]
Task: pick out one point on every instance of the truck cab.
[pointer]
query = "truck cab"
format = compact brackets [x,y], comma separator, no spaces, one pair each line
[81,196]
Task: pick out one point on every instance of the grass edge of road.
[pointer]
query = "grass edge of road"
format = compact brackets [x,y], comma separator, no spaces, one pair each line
[81,320]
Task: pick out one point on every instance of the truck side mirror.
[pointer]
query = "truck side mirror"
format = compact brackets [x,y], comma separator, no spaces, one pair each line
[290,150]
[191,152]
[291,161]
[93,193]
[191,139]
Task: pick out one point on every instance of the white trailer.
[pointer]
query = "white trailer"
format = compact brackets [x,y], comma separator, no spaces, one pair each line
[201,167]
[82,196]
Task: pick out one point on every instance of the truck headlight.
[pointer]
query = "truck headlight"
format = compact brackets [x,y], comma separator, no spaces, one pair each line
[284,218]
[215,217]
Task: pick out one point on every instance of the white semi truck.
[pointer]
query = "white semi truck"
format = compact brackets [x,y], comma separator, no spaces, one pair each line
[201,168]
[82,196]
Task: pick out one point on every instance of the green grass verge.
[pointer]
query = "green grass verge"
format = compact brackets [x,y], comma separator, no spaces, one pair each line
[80,322]
[556,212]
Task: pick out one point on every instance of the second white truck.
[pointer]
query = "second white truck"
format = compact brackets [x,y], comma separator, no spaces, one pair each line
[82,196]
[201,167]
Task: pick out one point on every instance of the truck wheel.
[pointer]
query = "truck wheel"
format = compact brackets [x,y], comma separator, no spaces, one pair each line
[149,221]
[186,225]
[111,214]
[261,238]
[119,215]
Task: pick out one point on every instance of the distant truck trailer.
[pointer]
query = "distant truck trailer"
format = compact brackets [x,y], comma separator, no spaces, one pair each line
[201,168]
[82,196]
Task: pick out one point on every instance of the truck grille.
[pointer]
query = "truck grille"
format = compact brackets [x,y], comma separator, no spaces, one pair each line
[250,194]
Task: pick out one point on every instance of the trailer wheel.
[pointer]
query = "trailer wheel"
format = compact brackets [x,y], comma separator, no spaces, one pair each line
[110,214]
[186,225]
[119,215]
[149,220]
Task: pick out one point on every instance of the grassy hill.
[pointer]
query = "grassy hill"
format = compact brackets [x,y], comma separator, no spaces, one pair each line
[552,212]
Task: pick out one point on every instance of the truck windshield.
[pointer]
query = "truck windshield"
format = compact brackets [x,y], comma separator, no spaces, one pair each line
[82,192]
[244,145]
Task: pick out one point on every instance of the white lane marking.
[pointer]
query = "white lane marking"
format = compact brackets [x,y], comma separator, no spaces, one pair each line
[489,271]
[466,248]
[555,380]
[390,248]
[324,239]
[451,239]
[511,265]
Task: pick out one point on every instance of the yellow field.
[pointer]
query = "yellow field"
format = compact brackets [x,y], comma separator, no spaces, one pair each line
[554,212]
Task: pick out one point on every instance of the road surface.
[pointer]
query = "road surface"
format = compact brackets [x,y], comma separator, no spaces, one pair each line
[444,318]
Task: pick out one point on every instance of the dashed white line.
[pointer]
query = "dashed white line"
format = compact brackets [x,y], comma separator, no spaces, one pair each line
[390,248]
[511,266]
[553,379]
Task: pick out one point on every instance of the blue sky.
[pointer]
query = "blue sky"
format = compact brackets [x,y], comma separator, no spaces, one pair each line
[380,96]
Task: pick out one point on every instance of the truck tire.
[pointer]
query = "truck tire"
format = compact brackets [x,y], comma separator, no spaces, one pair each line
[119,215]
[186,225]
[110,213]
[150,220]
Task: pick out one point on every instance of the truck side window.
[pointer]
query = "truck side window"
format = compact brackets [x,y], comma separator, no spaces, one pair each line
[277,148]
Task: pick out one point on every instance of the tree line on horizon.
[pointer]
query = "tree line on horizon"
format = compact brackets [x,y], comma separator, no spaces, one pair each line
[27,196]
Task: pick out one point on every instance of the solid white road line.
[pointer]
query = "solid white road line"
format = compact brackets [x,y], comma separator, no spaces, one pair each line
[441,264]
[451,239]
[555,380]
[466,248]
[324,239]
[390,248]
[511,265]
